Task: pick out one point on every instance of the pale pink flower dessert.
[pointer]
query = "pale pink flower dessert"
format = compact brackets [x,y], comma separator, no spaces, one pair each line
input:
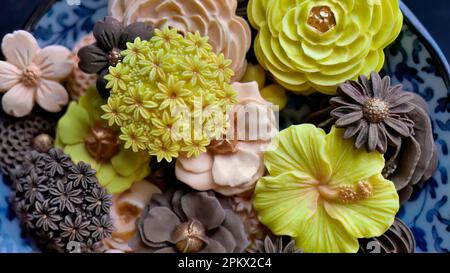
[228,33]
[126,209]
[31,75]
[233,165]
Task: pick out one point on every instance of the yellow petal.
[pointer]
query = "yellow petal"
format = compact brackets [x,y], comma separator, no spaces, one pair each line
[348,164]
[369,217]
[79,153]
[285,202]
[299,148]
[322,234]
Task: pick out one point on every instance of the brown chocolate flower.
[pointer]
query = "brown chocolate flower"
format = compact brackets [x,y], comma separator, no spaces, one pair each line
[415,159]
[398,239]
[374,112]
[188,221]
[111,38]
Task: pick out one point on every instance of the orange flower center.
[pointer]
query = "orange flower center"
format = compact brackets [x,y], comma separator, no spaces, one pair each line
[102,143]
[346,194]
[321,18]
[30,76]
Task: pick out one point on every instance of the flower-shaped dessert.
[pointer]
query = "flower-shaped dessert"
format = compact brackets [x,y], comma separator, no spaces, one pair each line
[126,209]
[373,112]
[234,164]
[17,137]
[323,192]
[111,38]
[242,205]
[78,81]
[169,95]
[228,33]
[86,137]
[414,160]
[276,246]
[397,239]
[316,45]
[189,222]
[31,74]
[60,203]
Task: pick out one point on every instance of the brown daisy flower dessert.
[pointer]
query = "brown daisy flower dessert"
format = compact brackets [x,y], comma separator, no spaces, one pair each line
[373,112]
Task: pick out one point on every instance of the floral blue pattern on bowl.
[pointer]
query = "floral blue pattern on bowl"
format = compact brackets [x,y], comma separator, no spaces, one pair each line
[413,60]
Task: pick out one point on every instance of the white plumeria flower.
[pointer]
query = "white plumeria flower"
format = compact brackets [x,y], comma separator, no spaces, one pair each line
[31,74]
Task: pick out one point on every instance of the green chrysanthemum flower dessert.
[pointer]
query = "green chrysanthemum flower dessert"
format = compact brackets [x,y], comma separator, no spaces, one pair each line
[312,45]
[86,137]
[170,95]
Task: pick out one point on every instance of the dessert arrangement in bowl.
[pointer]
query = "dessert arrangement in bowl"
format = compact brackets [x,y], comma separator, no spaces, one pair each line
[224,126]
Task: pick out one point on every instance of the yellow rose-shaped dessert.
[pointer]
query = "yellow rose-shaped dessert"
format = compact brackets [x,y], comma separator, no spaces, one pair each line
[228,33]
[315,45]
[323,192]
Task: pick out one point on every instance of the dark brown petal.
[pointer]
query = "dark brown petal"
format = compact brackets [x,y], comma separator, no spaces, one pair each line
[367,86]
[354,128]
[343,110]
[206,209]
[362,136]
[131,32]
[233,223]
[402,108]
[225,238]
[406,161]
[372,139]
[213,247]
[349,119]
[398,126]
[169,249]
[101,84]
[386,85]
[107,33]
[393,138]
[159,225]
[377,85]
[338,101]
[352,92]
[400,98]
[92,59]
[382,139]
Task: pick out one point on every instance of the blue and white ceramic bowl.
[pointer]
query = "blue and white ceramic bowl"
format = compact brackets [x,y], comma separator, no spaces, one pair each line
[413,60]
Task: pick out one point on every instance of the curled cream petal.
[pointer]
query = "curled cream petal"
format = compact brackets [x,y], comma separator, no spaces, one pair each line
[199,181]
[54,62]
[200,164]
[51,96]
[19,100]
[9,76]
[20,48]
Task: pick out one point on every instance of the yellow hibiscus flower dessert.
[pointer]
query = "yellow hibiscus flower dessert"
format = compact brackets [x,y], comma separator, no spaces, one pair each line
[315,45]
[323,192]
[169,95]
[84,136]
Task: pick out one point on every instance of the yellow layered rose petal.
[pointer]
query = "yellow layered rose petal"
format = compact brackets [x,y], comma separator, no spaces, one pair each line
[301,58]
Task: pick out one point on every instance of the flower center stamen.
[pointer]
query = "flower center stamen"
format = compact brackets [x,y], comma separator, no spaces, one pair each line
[375,110]
[346,194]
[114,57]
[189,237]
[102,143]
[321,18]
[30,76]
